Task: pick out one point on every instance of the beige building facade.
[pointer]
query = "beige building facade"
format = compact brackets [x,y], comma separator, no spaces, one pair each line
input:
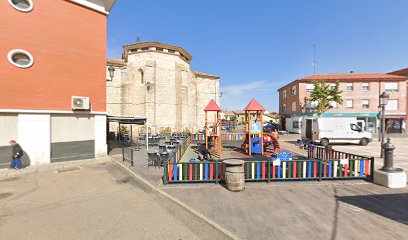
[154,80]
[360,94]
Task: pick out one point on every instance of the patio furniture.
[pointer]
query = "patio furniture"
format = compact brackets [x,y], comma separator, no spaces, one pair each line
[171,148]
[164,156]
[162,147]
[152,159]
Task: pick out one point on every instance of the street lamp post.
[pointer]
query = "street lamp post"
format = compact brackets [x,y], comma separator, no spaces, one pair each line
[383,102]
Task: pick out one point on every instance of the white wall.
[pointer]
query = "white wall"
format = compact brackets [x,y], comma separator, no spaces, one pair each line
[101,148]
[69,128]
[8,128]
[34,136]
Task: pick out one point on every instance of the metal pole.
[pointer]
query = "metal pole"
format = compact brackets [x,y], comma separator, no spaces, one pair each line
[147,134]
[382,129]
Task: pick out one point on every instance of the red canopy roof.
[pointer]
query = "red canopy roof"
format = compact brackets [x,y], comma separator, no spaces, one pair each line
[212,106]
[254,106]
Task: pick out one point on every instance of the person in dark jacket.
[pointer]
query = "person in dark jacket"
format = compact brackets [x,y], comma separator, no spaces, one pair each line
[16,154]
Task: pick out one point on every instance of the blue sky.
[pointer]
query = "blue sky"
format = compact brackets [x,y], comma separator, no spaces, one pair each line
[257,46]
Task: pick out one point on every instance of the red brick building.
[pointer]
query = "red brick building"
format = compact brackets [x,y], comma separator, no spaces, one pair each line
[53,51]
[360,99]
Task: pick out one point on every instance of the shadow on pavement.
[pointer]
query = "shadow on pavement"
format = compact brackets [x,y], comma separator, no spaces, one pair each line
[392,206]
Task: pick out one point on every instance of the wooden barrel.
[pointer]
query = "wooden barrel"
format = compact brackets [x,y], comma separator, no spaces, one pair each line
[234,175]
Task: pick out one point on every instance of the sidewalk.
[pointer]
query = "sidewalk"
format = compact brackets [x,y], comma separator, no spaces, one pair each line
[92,199]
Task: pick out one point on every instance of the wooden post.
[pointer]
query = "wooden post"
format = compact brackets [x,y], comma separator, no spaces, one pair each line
[206,131]
[262,113]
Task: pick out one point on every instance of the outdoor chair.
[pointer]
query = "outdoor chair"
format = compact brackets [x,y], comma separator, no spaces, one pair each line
[152,159]
[171,148]
[164,156]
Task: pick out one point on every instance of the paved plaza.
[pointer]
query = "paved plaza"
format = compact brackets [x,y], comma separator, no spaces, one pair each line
[96,200]
[302,210]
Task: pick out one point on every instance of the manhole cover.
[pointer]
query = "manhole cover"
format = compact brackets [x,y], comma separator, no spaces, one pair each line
[5,195]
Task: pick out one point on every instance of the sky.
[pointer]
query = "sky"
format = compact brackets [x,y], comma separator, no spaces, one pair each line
[260,45]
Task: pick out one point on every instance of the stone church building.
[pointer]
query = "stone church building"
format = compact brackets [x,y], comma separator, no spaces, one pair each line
[154,80]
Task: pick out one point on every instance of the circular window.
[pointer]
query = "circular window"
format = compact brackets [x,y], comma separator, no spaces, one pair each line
[22,5]
[20,58]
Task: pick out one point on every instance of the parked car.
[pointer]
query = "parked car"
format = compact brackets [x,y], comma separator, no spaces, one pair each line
[328,130]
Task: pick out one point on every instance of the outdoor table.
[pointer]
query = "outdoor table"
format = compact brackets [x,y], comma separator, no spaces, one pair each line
[162,147]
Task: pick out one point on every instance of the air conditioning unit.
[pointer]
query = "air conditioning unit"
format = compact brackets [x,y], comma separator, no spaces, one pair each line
[80,103]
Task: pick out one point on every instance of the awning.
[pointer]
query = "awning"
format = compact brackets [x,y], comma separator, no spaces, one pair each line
[127,120]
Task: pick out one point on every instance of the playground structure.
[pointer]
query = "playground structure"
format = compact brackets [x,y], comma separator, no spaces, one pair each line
[213,130]
[253,143]
[255,140]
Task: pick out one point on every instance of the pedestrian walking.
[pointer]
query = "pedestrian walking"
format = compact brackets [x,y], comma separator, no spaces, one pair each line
[16,154]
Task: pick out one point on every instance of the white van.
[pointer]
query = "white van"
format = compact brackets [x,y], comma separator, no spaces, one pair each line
[329,130]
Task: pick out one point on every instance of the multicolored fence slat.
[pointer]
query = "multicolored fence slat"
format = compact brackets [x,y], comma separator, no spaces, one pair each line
[224,137]
[194,172]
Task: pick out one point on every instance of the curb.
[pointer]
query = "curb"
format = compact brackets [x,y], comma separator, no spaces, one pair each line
[178,202]
[5,172]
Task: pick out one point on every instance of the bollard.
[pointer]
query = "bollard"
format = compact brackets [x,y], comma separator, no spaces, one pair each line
[388,149]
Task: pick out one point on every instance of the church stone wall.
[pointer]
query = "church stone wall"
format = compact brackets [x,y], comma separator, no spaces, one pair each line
[176,98]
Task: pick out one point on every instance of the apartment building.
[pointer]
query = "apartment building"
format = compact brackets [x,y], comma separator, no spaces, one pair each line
[53,93]
[360,99]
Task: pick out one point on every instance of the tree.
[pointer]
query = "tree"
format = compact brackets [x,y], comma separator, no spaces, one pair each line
[325,95]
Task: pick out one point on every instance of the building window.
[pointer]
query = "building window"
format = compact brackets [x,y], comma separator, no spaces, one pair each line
[366,87]
[295,124]
[22,5]
[350,87]
[284,94]
[391,87]
[392,105]
[293,106]
[20,58]
[349,103]
[366,104]
[309,87]
[293,90]
[284,107]
[332,86]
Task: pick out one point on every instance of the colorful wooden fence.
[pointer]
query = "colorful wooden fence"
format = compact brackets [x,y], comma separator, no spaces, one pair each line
[193,172]
[224,137]
[319,152]
[308,169]
[322,164]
